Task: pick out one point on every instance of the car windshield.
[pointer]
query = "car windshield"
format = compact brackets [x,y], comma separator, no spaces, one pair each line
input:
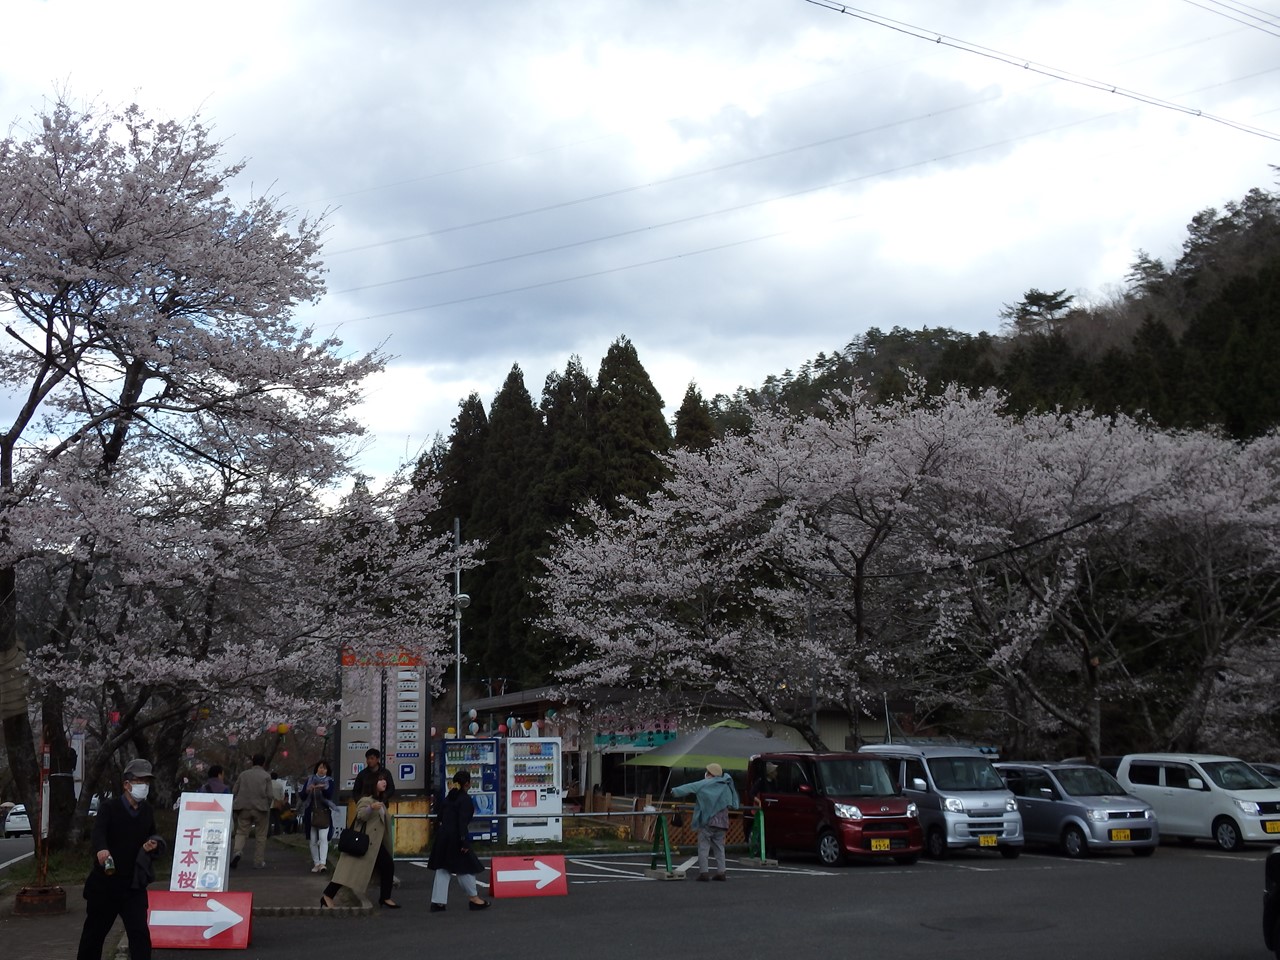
[854,778]
[1236,775]
[1088,782]
[965,773]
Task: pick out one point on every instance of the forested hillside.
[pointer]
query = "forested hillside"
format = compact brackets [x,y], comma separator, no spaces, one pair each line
[1191,344]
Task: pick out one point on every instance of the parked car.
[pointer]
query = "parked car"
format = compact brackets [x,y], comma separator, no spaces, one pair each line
[838,805]
[1269,770]
[1080,809]
[16,822]
[1271,903]
[963,803]
[1198,795]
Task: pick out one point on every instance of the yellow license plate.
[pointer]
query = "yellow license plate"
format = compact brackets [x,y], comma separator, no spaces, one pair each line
[987,840]
[1271,826]
[1120,836]
[879,844]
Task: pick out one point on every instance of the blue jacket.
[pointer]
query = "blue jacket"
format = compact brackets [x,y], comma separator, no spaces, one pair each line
[712,794]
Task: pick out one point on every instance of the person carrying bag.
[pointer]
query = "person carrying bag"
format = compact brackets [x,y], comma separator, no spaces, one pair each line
[370,834]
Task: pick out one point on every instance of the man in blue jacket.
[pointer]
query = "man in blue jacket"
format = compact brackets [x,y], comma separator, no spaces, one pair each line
[714,796]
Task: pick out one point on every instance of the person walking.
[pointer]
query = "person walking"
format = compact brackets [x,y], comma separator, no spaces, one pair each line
[215,783]
[451,851]
[317,813]
[124,842]
[714,796]
[252,809]
[355,872]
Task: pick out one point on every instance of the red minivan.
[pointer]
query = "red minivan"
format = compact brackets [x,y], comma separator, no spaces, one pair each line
[837,805]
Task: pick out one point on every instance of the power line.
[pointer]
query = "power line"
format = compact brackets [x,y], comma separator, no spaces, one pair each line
[1223,13]
[920,33]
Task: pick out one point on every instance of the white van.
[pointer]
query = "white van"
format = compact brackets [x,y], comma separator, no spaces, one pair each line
[1204,796]
[961,800]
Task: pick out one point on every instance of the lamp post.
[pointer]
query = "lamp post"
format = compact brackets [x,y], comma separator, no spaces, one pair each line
[460,602]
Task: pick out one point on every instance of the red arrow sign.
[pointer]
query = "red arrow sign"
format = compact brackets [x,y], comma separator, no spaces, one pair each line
[182,921]
[529,877]
[214,806]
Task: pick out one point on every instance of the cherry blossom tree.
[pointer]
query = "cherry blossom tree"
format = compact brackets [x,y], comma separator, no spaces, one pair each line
[170,440]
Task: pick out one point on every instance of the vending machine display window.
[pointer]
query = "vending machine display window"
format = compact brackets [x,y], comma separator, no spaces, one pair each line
[534,794]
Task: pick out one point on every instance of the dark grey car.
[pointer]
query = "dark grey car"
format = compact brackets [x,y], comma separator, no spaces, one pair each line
[1080,809]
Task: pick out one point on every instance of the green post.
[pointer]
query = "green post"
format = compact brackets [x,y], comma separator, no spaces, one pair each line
[661,844]
[757,834]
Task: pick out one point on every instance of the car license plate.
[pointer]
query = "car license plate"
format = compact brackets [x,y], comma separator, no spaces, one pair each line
[1120,836]
[879,844]
[987,840]
[1271,826]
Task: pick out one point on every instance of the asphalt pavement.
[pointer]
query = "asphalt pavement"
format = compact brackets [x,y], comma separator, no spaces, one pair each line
[283,888]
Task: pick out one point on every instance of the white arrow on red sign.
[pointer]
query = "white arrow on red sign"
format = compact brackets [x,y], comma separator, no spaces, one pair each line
[540,875]
[216,918]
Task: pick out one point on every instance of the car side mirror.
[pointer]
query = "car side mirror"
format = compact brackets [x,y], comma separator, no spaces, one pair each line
[1195,783]
[806,788]
[1048,793]
[918,784]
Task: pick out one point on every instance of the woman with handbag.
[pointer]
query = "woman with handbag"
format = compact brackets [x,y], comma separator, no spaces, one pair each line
[451,851]
[370,832]
[317,813]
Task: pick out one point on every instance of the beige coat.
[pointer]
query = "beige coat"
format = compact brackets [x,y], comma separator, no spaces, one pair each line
[355,872]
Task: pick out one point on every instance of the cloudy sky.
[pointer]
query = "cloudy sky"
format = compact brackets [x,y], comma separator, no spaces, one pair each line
[735,186]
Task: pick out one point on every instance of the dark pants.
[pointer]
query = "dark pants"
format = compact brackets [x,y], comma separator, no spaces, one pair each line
[100,913]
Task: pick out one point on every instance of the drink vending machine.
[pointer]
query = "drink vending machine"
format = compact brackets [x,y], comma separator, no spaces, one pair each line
[534,795]
[480,759]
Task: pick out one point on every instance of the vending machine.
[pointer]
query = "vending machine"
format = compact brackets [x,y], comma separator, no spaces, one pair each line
[534,793]
[480,758]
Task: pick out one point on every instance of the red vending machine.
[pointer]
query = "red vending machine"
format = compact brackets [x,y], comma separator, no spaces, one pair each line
[535,796]
[480,758]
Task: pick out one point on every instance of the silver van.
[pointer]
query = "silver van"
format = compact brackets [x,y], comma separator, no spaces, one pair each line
[1201,795]
[1080,809]
[962,801]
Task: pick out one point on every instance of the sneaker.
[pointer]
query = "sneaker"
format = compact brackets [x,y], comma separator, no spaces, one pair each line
[235,861]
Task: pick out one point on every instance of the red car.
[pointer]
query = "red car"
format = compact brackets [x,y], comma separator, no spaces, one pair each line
[838,805]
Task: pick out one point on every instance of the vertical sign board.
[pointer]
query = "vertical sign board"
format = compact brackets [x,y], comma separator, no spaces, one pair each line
[385,705]
[202,845]
[198,911]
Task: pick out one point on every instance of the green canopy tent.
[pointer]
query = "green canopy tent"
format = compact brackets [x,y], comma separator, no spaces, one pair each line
[729,743]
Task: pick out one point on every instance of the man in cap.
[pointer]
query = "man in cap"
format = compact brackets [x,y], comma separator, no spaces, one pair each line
[251,805]
[124,842]
[714,796]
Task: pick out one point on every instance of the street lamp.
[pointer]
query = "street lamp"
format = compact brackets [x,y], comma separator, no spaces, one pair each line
[460,602]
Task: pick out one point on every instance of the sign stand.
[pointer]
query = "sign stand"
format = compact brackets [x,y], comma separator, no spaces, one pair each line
[757,846]
[662,847]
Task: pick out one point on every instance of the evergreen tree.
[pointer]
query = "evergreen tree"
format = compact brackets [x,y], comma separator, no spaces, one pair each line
[630,425]
[695,430]
[572,472]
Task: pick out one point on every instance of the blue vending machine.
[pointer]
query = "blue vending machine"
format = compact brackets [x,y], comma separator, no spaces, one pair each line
[481,759]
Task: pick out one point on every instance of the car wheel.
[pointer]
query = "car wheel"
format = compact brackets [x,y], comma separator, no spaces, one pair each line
[935,845]
[1143,851]
[829,851]
[1074,845]
[907,859]
[1227,834]
[1010,853]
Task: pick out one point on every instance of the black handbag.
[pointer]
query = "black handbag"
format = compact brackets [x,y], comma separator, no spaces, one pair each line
[354,843]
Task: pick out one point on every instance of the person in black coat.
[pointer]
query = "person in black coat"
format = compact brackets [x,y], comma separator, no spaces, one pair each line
[124,842]
[451,851]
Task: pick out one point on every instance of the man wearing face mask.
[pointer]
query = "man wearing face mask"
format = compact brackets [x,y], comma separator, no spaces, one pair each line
[124,842]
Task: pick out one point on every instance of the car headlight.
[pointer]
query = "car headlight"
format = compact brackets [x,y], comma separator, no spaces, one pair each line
[913,810]
[1099,816]
[1148,814]
[1248,806]
[847,811]
[1011,805]
[954,805]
